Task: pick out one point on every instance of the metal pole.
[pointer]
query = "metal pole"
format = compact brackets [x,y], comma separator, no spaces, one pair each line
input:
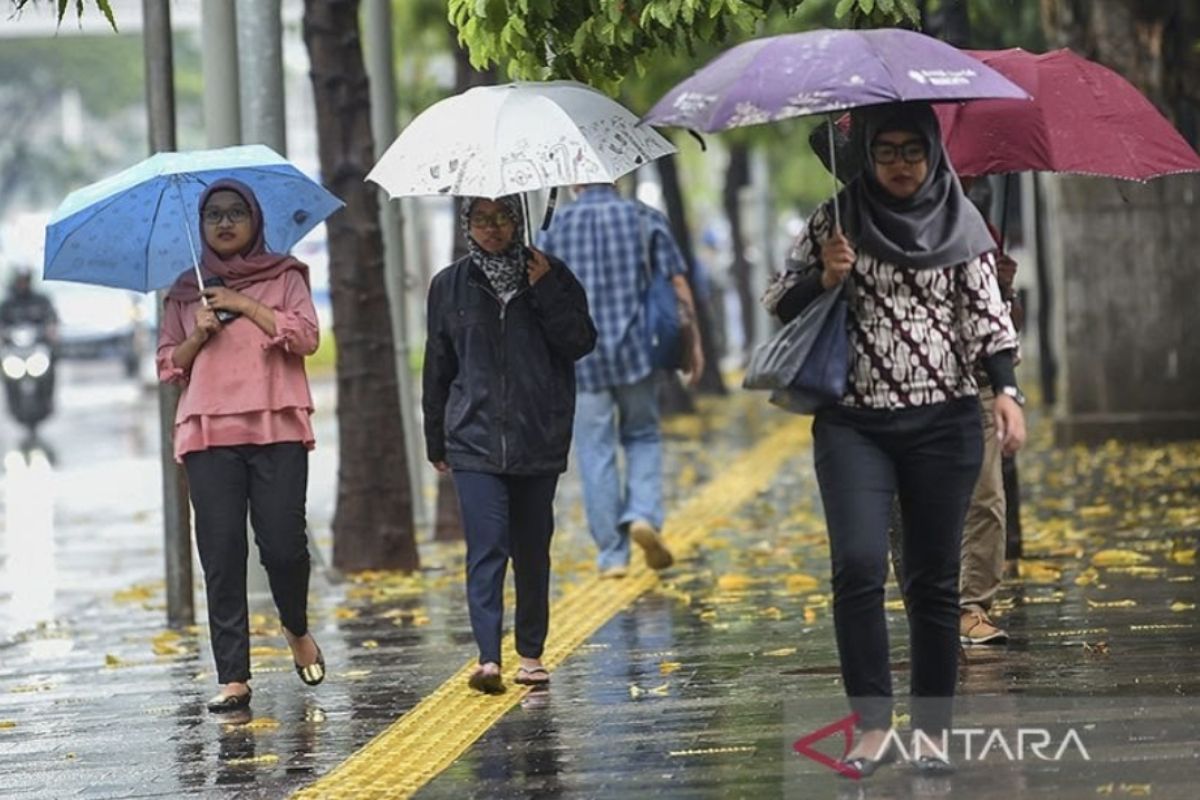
[219,64]
[177,531]
[260,63]
[381,72]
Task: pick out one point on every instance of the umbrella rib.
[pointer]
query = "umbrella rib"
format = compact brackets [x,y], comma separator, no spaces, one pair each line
[150,238]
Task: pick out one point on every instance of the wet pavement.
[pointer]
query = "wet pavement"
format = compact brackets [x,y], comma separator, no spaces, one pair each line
[696,689]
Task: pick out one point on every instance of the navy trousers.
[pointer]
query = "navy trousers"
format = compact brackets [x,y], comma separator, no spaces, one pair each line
[272,481]
[930,457]
[507,516]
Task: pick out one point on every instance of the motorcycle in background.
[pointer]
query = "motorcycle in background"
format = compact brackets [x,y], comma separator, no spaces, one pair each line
[27,362]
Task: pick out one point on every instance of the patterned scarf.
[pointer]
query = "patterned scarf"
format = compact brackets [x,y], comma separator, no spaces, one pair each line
[507,270]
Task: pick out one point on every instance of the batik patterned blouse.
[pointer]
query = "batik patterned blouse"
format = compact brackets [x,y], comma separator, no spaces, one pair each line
[915,334]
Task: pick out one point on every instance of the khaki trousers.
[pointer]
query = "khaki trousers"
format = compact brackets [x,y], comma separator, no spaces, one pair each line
[983,534]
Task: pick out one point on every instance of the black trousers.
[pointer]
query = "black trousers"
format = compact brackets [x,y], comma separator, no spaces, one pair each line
[930,457]
[271,480]
[507,516]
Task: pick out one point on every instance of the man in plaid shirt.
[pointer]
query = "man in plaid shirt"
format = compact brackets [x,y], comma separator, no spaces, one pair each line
[604,239]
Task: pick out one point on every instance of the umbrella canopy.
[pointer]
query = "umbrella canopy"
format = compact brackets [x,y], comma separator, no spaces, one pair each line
[492,141]
[797,74]
[1084,119]
[140,228]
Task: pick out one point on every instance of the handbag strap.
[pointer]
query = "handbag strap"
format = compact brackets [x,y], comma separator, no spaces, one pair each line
[647,237]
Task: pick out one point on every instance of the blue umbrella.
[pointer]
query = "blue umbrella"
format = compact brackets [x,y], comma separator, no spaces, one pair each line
[140,228]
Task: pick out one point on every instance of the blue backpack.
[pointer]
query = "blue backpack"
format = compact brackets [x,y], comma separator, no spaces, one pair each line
[660,304]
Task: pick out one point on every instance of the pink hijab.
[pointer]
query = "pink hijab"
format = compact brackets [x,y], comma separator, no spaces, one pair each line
[252,265]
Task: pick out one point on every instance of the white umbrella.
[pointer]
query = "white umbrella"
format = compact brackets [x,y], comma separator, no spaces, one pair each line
[492,141]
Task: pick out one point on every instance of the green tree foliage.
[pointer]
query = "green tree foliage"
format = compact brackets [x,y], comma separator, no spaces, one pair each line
[104,7]
[600,42]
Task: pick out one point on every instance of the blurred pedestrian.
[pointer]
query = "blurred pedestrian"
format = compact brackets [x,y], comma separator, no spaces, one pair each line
[505,325]
[243,428]
[984,534]
[613,243]
[925,306]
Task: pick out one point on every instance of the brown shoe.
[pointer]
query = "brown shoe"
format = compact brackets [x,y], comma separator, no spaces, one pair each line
[657,554]
[975,627]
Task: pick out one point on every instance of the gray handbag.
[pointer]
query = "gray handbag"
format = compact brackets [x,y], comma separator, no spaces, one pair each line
[806,363]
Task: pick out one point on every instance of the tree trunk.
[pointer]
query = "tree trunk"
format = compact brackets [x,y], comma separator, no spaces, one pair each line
[710,381]
[373,525]
[1124,252]
[737,176]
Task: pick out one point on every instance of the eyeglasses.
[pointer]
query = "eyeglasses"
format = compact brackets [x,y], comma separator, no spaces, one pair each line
[497,220]
[885,153]
[235,215]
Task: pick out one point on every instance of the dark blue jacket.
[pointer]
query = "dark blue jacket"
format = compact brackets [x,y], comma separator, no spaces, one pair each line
[499,380]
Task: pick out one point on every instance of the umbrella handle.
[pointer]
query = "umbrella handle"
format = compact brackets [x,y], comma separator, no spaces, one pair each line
[837,214]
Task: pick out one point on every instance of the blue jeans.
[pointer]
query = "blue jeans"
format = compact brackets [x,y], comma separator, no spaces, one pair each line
[627,415]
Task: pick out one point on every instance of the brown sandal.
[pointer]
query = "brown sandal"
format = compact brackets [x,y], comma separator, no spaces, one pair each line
[532,676]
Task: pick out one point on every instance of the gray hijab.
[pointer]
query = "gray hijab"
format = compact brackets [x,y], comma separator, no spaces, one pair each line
[507,270]
[936,227]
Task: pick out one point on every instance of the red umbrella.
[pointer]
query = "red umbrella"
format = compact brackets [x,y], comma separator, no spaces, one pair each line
[1084,119]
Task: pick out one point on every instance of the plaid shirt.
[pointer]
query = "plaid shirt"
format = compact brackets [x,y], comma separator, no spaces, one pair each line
[601,237]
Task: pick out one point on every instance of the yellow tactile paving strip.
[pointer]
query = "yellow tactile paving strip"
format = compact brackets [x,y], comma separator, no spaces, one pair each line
[426,740]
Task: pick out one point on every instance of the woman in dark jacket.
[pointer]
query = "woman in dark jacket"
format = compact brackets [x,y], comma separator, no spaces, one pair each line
[506,325]
[925,307]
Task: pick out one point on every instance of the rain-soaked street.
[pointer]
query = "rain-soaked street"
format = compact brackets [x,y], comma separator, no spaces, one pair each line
[695,684]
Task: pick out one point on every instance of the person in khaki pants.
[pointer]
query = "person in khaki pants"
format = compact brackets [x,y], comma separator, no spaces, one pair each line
[983,542]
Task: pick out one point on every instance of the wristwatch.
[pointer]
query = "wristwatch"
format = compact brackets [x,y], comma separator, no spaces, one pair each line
[1013,392]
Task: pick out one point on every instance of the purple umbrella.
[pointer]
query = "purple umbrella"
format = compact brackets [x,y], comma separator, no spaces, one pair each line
[822,71]
[797,74]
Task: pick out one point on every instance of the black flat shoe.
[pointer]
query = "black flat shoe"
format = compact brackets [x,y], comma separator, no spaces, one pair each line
[314,673]
[224,703]
[866,767]
[931,766]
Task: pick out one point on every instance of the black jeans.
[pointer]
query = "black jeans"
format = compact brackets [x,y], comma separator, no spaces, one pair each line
[930,456]
[272,481]
[507,516]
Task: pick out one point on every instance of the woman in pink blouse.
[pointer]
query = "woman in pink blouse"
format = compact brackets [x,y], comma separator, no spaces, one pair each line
[925,307]
[243,429]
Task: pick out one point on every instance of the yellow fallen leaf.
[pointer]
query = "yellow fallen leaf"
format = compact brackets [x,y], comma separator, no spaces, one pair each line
[780,653]
[667,667]
[1112,603]
[894,605]
[111,661]
[800,583]
[636,691]
[708,616]
[810,614]
[265,758]
[6,724]
[260,724]
[1138,571]
[266,651]
[1035,572]
[1186,558]
[1118,558]
[733,583]
[344,613]
[771,613]
[1092,512]
[370,644]
[1087,577]
[137,594]
[661,691]
[1181,606]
